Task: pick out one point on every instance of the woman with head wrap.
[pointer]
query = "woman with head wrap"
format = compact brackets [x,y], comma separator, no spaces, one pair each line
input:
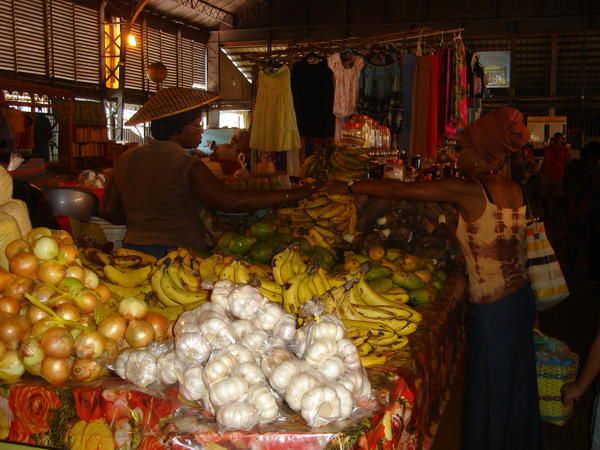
[501,402]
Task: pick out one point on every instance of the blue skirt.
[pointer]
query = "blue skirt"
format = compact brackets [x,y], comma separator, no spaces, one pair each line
[501,397]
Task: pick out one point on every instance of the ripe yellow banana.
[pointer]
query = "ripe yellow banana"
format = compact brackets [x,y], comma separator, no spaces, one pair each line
[208,267]
[373,359]
[228,273]
[337,198]
[146,259]
[130,278]
[270,295]
[279,260]
[155,281]
[178,295]
[240,272]
[121,292]
[290,295]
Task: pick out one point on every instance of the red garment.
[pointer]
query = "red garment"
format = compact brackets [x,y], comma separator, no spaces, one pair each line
[555,160]
[434,104]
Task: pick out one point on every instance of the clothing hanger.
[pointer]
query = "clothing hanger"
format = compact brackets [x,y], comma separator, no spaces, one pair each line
[313,58]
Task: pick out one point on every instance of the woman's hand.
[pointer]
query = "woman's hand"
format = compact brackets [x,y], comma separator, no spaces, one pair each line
[571,392]
[336,188]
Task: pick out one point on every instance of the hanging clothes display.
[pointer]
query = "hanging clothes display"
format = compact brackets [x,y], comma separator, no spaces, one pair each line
[274,127]
[346,89]
[459,106]
[380,93]
[312,89]
[434,101]
[409,62]
[445,94]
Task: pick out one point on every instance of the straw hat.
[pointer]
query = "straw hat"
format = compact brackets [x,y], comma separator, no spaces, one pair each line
[171,101]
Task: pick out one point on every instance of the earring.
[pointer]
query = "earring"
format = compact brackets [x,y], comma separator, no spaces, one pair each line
[477,164]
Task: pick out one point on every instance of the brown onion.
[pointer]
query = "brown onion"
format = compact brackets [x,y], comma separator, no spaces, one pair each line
[15,247]
[45,248]
[75,272]
[86,370]
[43,293]
[86,301]
[159,325]
[70,284]
[57,342]
[19,287]
[132,308]
[68,311]
[88,321]
[90,279]
[111,350]
[31,352]
[139,333]
[5,278]
[62,237]
[90,344]
[103,292]
[51,272]
[37,233]
[113,327]
[24,265]
[10,305]
[56,370]
[41,326]
[11,332]
[3,349]
[36,314]
[67,253]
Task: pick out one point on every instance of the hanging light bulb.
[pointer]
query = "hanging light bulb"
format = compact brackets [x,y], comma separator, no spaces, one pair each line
[131,41]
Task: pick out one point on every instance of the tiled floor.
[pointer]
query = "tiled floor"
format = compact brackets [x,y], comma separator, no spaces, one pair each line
[574,321]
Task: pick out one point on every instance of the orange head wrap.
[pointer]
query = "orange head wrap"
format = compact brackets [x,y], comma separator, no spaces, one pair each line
[496,134]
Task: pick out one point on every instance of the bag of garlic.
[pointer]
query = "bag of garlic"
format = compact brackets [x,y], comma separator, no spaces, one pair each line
[238,356]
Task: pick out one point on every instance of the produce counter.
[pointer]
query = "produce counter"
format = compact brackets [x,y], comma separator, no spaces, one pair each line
[411,393]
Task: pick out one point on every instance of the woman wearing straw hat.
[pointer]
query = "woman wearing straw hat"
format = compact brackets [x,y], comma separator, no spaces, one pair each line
[501,400]
[157,189]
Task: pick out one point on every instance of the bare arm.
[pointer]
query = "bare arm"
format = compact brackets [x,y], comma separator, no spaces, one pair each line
[215,194]
[111,207]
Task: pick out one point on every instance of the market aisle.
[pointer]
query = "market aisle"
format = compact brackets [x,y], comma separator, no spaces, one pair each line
[574,321]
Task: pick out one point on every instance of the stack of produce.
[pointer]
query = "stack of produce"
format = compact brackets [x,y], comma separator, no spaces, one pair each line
[49,307]
[314,167]
[348,163]
[239,354]
[321,219]
[14,217]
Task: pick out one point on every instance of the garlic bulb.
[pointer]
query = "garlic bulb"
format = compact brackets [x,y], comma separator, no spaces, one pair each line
[327,330]
[241,328]
[268,316]
[319,351]
[250,372]
[121,362]
[218,368]
[141,368]
[192,387]
[261,397]
[217,332]
[286,327]
[281,374]
[272,358]
[346,401]
[187,323]
[245,302]
[193,348]
[210,310]
[347,351]
[256,341]
[332,368]
[169,368]
[237,415]
[241,353]
[300,342]
[357,382]
[228,390]
[320,406]
[299,385]
[220,293]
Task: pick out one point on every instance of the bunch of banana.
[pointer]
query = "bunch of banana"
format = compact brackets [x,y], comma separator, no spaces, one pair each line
[349,163]
[210,269]
[307,285]
[288,264]
[269,289]
[313,167]
[176,280]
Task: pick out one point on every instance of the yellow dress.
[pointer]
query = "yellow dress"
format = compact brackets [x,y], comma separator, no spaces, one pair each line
[274,126]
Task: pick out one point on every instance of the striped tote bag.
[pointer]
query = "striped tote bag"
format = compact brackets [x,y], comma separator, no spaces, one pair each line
[543,270]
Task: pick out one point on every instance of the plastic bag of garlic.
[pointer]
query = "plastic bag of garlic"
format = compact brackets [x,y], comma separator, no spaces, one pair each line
[241,356]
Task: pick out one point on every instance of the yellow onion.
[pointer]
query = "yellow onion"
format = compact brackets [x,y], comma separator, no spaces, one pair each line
[31,352]
[10,305]
[18,287]
[139,333]
[89,344]
[24,265]
[113,327]
[57,342]
[56,370]
[35,314]
[51,272]
[84,370]
[159,325]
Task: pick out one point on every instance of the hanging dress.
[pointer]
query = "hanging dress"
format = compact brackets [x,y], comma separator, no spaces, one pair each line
[346,89]
[274,127]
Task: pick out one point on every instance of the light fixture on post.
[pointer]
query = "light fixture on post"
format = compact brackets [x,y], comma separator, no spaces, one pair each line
[131,41]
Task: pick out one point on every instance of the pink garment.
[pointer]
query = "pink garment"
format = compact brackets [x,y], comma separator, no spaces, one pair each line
[460,113]
[346,85]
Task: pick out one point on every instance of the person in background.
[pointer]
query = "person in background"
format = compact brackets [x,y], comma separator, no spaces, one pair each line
[157,189]
[556,156]
[573,391]
[239,143]
[578,183]
[501,398]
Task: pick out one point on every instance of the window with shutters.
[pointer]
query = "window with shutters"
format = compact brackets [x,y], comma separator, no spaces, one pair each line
[7,37]
[87,44]
[193,64]
[30,38]
[168,50]
[135,71]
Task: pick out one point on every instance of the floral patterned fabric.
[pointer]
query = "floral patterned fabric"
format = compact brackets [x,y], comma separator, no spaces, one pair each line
[410,395]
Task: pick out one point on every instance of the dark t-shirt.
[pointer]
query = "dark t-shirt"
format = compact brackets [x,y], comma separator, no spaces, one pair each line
[312,88]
